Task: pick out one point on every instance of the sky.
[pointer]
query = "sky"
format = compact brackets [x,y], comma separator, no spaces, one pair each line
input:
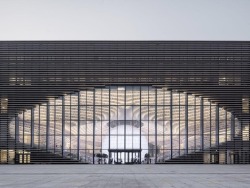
[125,20]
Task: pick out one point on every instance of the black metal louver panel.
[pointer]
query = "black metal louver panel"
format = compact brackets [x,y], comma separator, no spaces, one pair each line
[32,72]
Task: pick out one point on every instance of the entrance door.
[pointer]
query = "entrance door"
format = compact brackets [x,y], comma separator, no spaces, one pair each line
[214,158]
[123,156]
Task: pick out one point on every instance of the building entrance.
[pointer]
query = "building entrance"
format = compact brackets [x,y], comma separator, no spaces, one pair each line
[124,156]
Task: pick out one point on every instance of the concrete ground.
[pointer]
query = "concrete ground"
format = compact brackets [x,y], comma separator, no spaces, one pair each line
[127,176]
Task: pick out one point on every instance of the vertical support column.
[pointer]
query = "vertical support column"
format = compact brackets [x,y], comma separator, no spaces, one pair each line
[125,118]
[78,126]
[226,126]
[186,123]
[155,125]
[94,126]
[16,129]
[139,154]
[226,157]
[63,124]
[163,119]
[39,127]
[70,125]
[232,127]
[179,122]
[140,128]
[47,126]
[109,118]
[149,148]
[195,133]
[128,158]
[23,127]
[54,132]
[171,124]
[32,128]
[210,124]
[217,125]
[202,124]
[16,133]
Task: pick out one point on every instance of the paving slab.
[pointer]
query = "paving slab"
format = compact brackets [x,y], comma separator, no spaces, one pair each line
[125,176]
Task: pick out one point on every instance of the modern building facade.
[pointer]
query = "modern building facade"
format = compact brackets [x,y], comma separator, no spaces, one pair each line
[124,102]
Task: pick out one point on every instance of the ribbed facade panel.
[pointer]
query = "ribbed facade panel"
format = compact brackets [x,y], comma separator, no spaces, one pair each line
[35,73]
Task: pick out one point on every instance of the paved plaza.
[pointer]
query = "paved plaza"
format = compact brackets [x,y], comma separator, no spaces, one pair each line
[127,176]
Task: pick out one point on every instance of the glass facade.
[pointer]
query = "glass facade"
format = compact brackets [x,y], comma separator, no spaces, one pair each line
[128,124]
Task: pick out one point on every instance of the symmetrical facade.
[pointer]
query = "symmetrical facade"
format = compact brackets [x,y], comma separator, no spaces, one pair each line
[125,102]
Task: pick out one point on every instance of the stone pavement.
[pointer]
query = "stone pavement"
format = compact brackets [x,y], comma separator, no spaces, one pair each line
[127,176]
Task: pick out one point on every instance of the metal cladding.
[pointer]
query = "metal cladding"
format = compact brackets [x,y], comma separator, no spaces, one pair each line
[34,72]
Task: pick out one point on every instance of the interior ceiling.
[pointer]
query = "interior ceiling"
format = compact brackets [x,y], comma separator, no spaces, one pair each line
[33,71]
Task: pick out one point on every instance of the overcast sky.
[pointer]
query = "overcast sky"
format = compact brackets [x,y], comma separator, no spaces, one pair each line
[125,20]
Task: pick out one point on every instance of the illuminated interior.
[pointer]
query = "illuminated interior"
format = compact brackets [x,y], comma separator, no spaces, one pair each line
[162,123]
